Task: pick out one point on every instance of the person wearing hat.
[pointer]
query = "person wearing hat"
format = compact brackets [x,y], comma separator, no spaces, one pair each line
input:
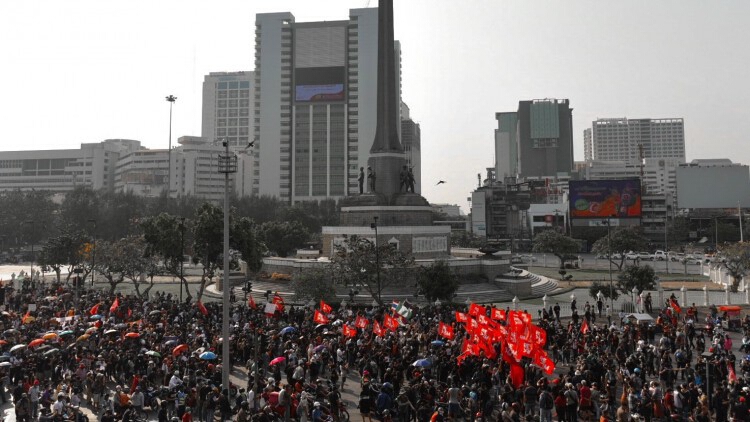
[34,395]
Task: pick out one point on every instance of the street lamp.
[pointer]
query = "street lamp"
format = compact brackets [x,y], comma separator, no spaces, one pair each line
[227,165]
[182,254]
[609,258]
[171,99]
[93,252]
[31,239]
[374,226]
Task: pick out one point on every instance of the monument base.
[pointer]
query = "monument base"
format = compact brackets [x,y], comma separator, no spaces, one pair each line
[420,242]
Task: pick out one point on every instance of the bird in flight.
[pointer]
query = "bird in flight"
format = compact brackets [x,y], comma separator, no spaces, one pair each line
[250,144]
[440,182]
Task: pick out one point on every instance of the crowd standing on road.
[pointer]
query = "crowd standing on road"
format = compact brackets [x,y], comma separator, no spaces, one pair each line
[130,359]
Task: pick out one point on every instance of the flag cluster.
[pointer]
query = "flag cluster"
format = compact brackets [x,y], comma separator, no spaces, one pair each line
[516,339]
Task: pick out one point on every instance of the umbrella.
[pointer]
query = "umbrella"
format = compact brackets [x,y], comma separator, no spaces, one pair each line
[5,313]
[49,336]
[437,343]
[4,358]
[319,348]
[277,360]
[199,350]
[54,321]
[153,353]
[422,363]
[170,342]
[3,342]
[37,342]
[120,326]
[43,347]
[10,332]
[96,317]
[50,298]
[65,333]
[91,330]
[287,330]
[179,349]
[17,347]
[211,356]
[83,337]
[132,335]
[111,332]
[319,326]
[51,352]
[5,364]
[154,313]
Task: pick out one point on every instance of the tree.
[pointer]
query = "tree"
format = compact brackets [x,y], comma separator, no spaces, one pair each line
[315,284]
[640,277]
[620,241]
[63,250]
[244,238]
[208,241]
[597,287]
[556,243]
[163,237]
[283,237]
[737,262]
[120,260]
[355,263]
[437,282]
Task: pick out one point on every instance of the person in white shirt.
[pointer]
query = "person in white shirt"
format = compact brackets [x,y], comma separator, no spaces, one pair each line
[59,406]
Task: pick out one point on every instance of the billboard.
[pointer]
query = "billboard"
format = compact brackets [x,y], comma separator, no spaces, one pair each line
[318,84]
[715,186]
[605,198]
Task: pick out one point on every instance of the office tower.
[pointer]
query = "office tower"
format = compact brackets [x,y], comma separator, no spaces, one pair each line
[315,104]
[545,138]
[623,139]
[588,149]
[227,107]
[506,146]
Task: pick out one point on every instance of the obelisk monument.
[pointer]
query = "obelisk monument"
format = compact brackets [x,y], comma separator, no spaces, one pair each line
[386,154]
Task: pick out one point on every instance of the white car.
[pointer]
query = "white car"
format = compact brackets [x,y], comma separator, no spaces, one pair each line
[660,256]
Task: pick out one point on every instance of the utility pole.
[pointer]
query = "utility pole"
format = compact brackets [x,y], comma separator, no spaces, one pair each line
[227,165]
[171,99]
[182,254]
[93,253]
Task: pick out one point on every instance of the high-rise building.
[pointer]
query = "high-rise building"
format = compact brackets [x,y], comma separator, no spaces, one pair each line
[588,149]
[315,103]
[506,145]
[623,139]
[228,107]
[545,138]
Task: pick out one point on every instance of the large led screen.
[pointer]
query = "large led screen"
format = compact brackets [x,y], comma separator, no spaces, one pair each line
[605,198]
[313,84]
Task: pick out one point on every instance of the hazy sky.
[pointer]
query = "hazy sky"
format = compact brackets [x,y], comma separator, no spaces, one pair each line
[84,71]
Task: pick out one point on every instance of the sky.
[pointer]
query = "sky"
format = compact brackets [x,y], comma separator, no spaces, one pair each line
[80,71]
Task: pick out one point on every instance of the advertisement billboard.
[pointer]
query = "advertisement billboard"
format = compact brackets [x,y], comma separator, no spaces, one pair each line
[605,198]
[318,84]
[715,186]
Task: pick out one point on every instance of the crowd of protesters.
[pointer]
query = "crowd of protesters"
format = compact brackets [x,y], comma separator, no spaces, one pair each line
[130,359]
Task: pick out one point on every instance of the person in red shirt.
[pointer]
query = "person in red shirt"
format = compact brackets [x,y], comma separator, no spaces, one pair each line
[584,397]
[187,416]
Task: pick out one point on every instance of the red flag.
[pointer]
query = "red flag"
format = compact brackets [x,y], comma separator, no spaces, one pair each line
[732,376]
[472,326]
[349,331]
[361,322]
[482,319]
[326,308]
[201,307]
[585,326]
[461,317]
[251,302]
[475,310]
[446,331]
[675,305]
[377,329]
[498,314]
[516,375]
[26,317]
[543,361]
[390,323]
[279,302]
[94,309]
[539,336]
[115,305]
[319,318]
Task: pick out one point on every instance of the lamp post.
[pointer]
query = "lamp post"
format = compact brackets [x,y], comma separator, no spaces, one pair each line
[227,165]
[93,252]
[171,99]
[374,226]
[182,254]
[609,258]
[31,239]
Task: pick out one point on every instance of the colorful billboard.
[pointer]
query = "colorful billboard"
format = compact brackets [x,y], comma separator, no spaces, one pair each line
[314,93]
[313,84]
[605,198]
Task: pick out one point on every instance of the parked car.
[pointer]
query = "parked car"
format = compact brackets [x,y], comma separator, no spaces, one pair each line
[660,256]
[643,256]
[676,256]
[692,259]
